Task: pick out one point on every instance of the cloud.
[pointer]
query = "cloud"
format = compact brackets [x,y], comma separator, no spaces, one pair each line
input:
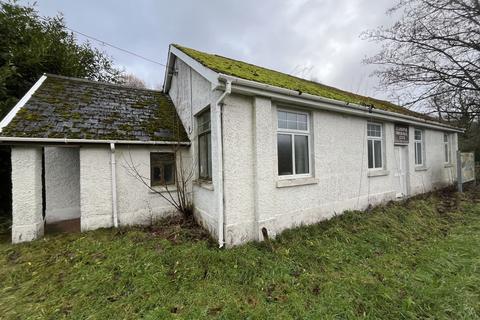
[314,39]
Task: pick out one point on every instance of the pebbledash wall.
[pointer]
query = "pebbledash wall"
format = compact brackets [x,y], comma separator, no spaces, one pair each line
[255,197]
[62,184]
[136,203]
[192,94]
[78,184]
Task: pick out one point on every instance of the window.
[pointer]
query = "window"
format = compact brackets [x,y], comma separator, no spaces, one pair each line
[446,143]
[419,148]
[375,145]
[293,139]
[204,145]
[162,169]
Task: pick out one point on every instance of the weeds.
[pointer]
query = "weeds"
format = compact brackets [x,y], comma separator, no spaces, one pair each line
[401,260]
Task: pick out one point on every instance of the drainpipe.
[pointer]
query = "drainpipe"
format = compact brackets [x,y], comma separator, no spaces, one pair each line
[114,185]
[218,127]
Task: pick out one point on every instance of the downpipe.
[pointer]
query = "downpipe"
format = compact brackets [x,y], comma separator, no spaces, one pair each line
[114,185]
[219,130]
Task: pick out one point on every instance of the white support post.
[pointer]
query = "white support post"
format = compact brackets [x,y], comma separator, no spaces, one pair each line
[27,224]
[459,172]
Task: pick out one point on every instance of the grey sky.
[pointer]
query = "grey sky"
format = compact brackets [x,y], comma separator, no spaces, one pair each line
[313,39]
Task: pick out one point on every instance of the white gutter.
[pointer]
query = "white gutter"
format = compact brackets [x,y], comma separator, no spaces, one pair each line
[281,94]
[88,141]
[5,121]
[219,135]
[114,185]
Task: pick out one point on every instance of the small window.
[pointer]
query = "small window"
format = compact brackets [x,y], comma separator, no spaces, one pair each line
[293,141]
[375,145]
[162,168]
[419,148]
[447,149]
[204,145]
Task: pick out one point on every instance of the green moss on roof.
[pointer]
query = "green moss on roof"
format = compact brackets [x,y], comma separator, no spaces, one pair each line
[263,75]
[81,109]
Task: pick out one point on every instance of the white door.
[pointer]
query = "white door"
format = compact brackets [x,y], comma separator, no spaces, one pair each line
[401,170]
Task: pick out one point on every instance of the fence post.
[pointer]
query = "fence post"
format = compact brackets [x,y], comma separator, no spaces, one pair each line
[459,171]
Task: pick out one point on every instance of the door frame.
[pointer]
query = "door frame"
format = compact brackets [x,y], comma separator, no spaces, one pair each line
[403,156]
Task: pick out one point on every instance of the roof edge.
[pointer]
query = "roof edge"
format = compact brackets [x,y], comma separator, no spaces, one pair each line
[336,103]
[204,71]
[88,141]
[9,117]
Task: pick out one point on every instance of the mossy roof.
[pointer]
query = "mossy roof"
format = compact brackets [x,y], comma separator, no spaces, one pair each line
[255,73]
[81,109]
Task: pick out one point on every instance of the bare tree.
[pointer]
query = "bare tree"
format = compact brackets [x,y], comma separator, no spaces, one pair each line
[133,81]
[431,56]
[179,195]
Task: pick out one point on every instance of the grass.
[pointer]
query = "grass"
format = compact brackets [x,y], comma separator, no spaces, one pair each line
[415,259]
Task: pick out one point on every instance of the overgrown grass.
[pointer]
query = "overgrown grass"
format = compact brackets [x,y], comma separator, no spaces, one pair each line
[417,259]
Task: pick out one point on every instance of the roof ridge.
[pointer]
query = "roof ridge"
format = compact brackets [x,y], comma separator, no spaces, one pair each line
[51,75]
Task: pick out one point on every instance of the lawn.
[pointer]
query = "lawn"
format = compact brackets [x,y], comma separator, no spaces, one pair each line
[414,259]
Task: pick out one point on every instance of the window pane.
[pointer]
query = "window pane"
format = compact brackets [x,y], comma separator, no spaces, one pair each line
[301,155]
[374,130]
[418,135]
[156,176]
[418,153]
[370,154]
[168,173]
[302,121]
[203,155]
[446,153]
[203,121]
[162,168]
[378,153]
[292,121]
[284,146]
[445,137]
[282,119]
[209,155]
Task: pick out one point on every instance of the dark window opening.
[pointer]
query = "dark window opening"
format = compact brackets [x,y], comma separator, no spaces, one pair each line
[162,168]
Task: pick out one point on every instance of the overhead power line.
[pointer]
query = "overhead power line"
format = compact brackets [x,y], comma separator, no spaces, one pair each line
[115,47]
[105,43]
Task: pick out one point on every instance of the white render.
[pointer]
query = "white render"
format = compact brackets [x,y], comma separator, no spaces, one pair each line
[27,217]
[136,203]
[191,94]
[255,197]
[62,184]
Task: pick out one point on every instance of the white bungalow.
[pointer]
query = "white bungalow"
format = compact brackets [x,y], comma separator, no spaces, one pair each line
[270,151]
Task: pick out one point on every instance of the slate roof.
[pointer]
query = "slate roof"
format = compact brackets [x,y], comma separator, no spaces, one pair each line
[252,72]
[82,109]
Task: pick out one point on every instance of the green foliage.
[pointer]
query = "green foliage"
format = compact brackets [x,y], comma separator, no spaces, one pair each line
[403,260]
[31,45]
[470,140]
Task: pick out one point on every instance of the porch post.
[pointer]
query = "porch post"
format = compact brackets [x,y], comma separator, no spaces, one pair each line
[264,178]
[27,220]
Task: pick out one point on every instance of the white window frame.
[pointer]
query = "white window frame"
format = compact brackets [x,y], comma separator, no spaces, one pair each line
[422,144]
[447,148]
[200,133]
[382,143]
[293,133]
